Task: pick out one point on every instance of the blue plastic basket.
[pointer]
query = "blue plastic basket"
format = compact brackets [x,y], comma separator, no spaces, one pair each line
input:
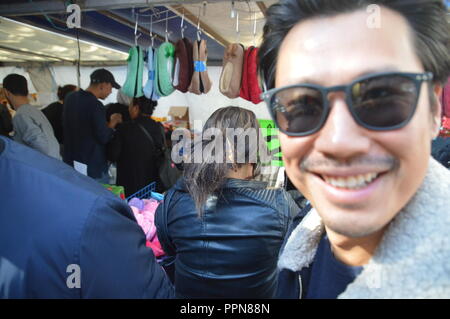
[144,193]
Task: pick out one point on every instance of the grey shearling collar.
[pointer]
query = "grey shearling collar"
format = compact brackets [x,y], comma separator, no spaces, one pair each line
[413,258]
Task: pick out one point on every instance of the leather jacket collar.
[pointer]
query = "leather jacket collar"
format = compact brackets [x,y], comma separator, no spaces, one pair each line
[230,184]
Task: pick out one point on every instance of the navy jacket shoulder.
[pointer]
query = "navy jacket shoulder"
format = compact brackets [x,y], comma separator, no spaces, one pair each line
[53,220]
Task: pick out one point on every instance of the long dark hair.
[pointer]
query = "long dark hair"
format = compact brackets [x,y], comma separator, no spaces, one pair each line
[206,178]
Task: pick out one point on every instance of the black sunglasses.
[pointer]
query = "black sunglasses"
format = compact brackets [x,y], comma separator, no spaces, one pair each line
[380,102]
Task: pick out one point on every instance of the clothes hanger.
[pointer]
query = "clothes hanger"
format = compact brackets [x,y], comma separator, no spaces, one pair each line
[254,30]
[199,30]
[167,22]
[152,36]
[136,36]
[182,26]
[238,34]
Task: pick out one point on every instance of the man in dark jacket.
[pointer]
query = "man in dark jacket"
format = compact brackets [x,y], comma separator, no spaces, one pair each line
[86,131]
[64,236]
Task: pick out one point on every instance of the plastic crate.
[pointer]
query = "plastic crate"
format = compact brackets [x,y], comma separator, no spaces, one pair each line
[144,193]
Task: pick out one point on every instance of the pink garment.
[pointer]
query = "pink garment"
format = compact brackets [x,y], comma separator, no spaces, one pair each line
[146,219]
[156,247]
[446,122]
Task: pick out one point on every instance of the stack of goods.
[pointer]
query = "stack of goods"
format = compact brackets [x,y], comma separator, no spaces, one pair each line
[133,83]
[181,67]
[144,212]
[239,77]
[200,82]
[149,88]
[230,79]
[184,65]
[250,89]
[165,56]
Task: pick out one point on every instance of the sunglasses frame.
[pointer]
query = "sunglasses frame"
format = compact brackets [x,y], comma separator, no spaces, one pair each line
[418,78]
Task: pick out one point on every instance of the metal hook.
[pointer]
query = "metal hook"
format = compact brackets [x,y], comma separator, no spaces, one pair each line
[136,35]
[204,7]
[182,25]
[233,11]
[238,35]
[254,30]
[167,21]
[199,31]
[151,28]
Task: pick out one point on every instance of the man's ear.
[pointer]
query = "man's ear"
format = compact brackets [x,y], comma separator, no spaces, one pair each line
[437,113]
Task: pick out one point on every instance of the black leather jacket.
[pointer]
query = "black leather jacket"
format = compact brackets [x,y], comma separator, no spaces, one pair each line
[232,251]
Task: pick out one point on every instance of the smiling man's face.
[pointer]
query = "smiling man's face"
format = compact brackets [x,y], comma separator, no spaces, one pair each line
[357,179]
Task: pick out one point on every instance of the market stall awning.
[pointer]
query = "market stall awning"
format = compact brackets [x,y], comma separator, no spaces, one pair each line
[21,42]
[112,24]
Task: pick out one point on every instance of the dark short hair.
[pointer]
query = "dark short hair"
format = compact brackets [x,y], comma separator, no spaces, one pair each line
[427,19]
[146,106]
[16,84]
[64,90]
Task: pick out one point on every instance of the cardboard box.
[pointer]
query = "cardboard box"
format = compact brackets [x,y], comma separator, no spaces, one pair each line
[179,116]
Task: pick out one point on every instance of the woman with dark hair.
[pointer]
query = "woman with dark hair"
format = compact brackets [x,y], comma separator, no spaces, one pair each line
[136,147]
[221,229]
[54,111]
[6,125]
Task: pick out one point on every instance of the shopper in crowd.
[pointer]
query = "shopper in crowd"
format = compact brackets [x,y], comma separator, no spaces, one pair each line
[86,132]
[137,147]
[222,229]
[121,107]
[31,127]
[62,235]
[54,111]
[357,114]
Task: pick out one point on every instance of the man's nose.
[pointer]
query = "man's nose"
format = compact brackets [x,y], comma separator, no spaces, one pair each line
[341,137]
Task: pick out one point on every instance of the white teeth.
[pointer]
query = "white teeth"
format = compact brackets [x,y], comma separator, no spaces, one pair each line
[351,182]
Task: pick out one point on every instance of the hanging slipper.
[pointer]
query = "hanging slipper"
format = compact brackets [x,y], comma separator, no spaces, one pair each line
[231,76]
[165,66]
[194,87]
[133,82]
[184,65]
[206,83]
[244,93]
[149,88]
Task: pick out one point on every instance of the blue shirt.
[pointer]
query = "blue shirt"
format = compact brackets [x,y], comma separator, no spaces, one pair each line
[329,277]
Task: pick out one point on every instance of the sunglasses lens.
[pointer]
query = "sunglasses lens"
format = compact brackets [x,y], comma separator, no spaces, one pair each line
[384,102]
[298,110]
